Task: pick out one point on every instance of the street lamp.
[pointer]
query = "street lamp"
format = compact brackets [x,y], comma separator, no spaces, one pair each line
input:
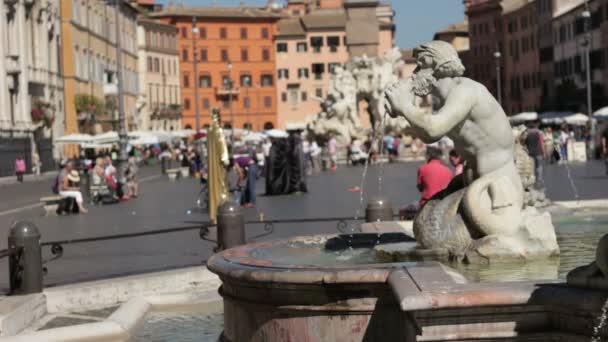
[229,84]
[247,84]
[586,15]
[194,65]
[497,56]
[122,129]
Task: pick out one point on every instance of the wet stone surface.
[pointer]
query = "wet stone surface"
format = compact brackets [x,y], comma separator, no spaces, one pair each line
[100,313]
[63,321]
[182,326]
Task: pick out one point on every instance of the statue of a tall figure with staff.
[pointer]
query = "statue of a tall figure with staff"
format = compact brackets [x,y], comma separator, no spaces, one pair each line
[217,160]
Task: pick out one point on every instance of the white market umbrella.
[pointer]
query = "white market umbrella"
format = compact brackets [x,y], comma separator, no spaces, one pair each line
[145,140]
[106,138]
[576,119]
[183,133]
[253,137]
[523,117]
[554,117]
[276,133]
[96,145]
[601,114]
[76,138]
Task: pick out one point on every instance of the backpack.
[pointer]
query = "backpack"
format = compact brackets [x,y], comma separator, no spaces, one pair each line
[55,186]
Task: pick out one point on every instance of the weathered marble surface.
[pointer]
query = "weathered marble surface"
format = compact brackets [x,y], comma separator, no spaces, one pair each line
[363,78]
[482,214]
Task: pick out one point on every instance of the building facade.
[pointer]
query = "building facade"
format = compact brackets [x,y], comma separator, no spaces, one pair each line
[569,48]
[318,37]
[31,88]
[89,65]
[486,38]
[522,85]
[159,76]
[308,48]
[236,64]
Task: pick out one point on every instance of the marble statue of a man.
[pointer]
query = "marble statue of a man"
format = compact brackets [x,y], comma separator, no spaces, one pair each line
[488,199]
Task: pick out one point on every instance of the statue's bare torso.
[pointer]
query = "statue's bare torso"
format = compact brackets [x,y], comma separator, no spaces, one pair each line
[484,137]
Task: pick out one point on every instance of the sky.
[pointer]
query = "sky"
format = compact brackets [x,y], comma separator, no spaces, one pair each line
[416,20]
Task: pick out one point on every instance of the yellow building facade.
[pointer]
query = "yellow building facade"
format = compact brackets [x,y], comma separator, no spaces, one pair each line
[89,64]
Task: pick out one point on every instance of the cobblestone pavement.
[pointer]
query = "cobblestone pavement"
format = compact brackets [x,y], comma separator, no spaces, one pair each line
[165,204]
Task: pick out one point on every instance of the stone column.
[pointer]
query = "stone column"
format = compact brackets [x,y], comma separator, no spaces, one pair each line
[5,111]
[22,110]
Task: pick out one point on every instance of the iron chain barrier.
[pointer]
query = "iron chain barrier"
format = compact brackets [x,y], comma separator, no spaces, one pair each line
[26,267]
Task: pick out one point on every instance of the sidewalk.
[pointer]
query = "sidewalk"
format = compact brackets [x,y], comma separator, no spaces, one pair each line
[28,178]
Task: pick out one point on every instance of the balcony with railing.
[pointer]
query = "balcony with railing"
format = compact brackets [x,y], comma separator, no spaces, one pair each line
[225,91]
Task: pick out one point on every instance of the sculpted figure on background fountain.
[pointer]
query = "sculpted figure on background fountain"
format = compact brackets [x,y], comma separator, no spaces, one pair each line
[363,78]
[481,213]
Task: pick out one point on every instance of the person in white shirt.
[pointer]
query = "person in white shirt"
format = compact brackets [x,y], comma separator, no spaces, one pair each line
[315,152]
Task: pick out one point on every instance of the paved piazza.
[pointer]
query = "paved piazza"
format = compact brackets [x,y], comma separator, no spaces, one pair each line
[164,204]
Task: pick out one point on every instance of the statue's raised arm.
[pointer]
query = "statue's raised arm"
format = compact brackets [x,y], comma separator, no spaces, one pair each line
[438,67]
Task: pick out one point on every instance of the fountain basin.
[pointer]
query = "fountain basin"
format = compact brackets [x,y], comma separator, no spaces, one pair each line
[311,288]
[297,290]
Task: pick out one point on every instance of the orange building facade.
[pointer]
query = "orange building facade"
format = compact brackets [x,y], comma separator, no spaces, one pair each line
[236,68]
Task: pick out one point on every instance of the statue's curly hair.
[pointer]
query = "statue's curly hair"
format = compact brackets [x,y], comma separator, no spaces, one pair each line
[445,58]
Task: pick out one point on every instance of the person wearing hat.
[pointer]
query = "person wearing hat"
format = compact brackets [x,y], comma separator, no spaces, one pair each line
[71,188]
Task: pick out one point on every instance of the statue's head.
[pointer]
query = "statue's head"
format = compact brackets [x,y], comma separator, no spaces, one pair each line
[215,115]
[435,60]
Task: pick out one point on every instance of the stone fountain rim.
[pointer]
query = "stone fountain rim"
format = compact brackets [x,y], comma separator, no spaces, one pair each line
[236,263]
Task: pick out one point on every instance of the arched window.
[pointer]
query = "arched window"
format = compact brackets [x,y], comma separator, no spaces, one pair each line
[268,125]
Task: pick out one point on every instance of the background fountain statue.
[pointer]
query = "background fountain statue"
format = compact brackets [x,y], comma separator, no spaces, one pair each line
[365,79]
[217,160]
[481,216]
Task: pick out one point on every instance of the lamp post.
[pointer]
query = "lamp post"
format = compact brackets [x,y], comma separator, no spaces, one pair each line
[587,45]
[194,65]
[229,84]
[122,129]
[497,56]
[247,84]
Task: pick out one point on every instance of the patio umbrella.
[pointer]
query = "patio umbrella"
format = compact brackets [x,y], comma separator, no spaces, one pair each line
[523,117]
[253,137]
[76,138]
[554,117]
[577,119]
[106,138]
[601,114]
[183,133]
[276,133]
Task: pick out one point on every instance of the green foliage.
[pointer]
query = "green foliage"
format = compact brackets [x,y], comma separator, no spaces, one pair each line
[89,104]
[111,104]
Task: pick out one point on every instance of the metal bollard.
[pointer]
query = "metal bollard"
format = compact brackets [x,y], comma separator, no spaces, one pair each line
[378,209]
[25,261]
[230,226]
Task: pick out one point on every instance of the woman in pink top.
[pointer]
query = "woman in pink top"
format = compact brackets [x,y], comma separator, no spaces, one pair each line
[20,168]
[457,162]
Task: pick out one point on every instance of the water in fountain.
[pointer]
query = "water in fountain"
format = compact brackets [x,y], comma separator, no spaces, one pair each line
[569,174]
[601,322]
[376,138]
[381,129]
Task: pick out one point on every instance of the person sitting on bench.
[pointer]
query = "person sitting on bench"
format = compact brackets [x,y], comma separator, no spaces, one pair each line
[71,188]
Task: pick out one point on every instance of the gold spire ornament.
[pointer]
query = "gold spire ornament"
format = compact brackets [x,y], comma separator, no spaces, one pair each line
[217,160]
